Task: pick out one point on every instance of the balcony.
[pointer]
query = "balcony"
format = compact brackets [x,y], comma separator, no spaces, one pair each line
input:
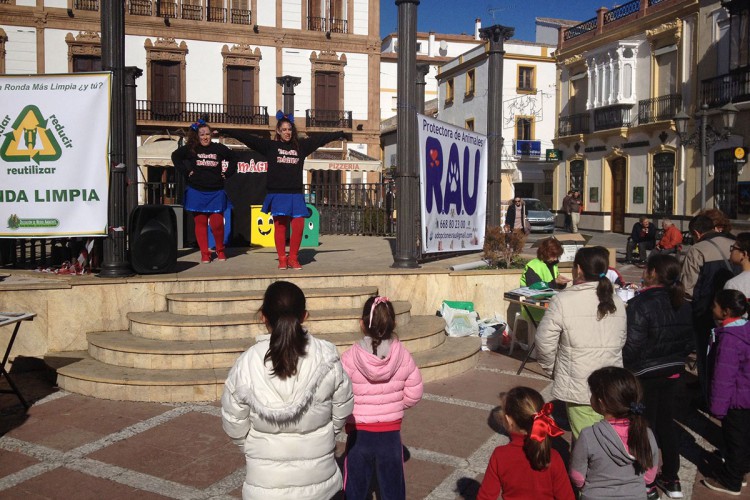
[328,118]
[732,87]
[331,25]
[85,5]
[192,12]
[240,16]
[657,109]
[574,124]
[167,9]
[612,117]
[190,112]
[139,7]
[216,14]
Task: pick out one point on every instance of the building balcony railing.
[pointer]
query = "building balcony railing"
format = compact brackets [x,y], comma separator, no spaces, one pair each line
[216,14]
[580,29]
[191,112]
[240,16]
[328,118]
[167,9]
[331,25]
[731,87]
[658,109]
[192,12]
[617,116]
[622,11]
[140,7]
[85,5]
[574,124]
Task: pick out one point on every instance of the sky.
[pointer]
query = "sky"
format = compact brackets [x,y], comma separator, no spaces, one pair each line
[457,16]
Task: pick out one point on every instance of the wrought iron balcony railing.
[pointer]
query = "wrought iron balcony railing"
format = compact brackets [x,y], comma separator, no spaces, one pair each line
[167,9]
[658,109]
[83,4]
[191,112]
[240,16]
[612,117]
[622,11]
[328,118]
[574,124]
[192,12]
[580,29]
[327,24]
[140,7]
[731,87]
[216,14]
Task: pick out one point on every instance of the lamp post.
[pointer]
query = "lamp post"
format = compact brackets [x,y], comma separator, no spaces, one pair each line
[706,136]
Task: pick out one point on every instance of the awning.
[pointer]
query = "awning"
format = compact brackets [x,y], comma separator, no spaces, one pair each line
[157,153]
[344,165]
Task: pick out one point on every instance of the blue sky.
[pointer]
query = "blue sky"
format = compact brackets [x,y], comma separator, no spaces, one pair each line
[457,16]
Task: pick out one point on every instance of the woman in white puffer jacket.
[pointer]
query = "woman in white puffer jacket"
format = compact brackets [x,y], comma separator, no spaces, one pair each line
[284,401]
[583,329]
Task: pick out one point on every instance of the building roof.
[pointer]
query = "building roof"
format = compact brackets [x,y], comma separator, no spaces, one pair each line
[560,22]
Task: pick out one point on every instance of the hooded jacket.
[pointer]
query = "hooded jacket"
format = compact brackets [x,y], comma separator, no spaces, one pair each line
[601,457]
[730,383]
[704,272]
[571,342]
[383,387]
[287,428]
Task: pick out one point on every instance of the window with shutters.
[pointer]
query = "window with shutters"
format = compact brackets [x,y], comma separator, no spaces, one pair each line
[725,182]
[576,176]
[328,91]
[526,79]
[241,75]
[84,52]
[663,202]
[165,61]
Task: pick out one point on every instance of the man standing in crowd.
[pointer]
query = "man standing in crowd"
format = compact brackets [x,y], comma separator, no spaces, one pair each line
[566,210]
[575,206]
[671,239]
[705,270]
[643,236]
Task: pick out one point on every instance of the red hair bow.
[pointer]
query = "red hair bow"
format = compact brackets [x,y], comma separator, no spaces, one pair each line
[544,425]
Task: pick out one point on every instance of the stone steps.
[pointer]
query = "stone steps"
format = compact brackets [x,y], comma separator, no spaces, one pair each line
[185,352]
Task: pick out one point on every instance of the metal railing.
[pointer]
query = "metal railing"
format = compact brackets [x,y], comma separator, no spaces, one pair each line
[83,4]
[363,209]
[140,7]
[658,109]
[216,14]
[45,253]
[192,12]
[328,118]
[332,25]
[580,29]
[622,11]
[731,87]
[192,111]
[240,16]
[316,23]
[612,117]
[574,124]
[167,9]
[654,2]
[337,25]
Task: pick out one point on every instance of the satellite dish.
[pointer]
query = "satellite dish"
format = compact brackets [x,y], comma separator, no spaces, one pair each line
[443,45]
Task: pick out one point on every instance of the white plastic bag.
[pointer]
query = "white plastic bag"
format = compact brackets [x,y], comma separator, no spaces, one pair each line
[459,322]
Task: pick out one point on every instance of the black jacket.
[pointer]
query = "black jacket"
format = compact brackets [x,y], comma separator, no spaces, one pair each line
[659,338]
[638,228]
[510,215]
[205,165]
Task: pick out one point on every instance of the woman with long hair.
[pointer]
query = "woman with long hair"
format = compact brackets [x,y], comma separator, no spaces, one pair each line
[201,162]
[285,200]
[582,330]
[284,401]
[660,337]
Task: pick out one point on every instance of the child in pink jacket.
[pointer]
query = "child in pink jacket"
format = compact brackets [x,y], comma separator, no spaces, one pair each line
[385,381]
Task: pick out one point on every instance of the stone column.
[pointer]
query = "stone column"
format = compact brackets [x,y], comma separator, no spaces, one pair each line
[496,35]
[422,70]
[131,137]
[407,170]
[288,83]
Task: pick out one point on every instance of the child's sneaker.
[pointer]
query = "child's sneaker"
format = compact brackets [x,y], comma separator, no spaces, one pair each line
[671,488]
[652,493]
[714,484]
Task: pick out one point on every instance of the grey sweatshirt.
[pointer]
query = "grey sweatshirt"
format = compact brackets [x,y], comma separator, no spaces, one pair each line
[600,456]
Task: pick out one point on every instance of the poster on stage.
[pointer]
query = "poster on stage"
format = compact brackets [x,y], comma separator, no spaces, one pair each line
[54,153]
[453,186]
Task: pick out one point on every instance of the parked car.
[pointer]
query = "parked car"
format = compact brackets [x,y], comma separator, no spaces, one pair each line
[541,219]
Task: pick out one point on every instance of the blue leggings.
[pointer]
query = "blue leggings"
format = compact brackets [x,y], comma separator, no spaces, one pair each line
[381,452]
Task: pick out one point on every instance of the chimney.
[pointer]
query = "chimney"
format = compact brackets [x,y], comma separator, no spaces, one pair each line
[431,45]
[477,27]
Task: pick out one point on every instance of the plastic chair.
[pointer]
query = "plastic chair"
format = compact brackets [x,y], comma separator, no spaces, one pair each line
[529,328]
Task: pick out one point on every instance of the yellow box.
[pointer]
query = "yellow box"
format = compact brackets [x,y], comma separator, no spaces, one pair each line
[261,227]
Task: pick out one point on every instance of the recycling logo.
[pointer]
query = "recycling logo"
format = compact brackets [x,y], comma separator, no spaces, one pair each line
[30,139]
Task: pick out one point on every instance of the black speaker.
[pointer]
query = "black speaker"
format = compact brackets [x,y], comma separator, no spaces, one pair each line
[153,239]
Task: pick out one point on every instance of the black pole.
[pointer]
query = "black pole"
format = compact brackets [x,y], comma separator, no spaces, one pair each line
[131,137]
[407,178]
[288,83]
[115,263]
[422,70]
[496,35]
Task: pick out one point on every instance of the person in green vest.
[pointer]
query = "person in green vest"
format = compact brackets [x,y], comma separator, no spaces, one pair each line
[543,269]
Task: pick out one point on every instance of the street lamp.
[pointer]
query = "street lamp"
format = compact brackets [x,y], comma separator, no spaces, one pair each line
[706,136]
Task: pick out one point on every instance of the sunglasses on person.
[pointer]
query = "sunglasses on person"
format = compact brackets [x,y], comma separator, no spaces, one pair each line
[735,247]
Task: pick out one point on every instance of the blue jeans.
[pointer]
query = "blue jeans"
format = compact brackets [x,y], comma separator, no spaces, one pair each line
[379,452]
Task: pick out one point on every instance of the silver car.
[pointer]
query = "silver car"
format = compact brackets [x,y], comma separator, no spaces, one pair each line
[541,219]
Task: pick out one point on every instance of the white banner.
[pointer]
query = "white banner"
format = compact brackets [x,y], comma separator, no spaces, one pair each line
[453,186]
[54,150]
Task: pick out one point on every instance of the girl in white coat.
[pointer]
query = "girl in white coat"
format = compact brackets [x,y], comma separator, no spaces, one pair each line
[284,401]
